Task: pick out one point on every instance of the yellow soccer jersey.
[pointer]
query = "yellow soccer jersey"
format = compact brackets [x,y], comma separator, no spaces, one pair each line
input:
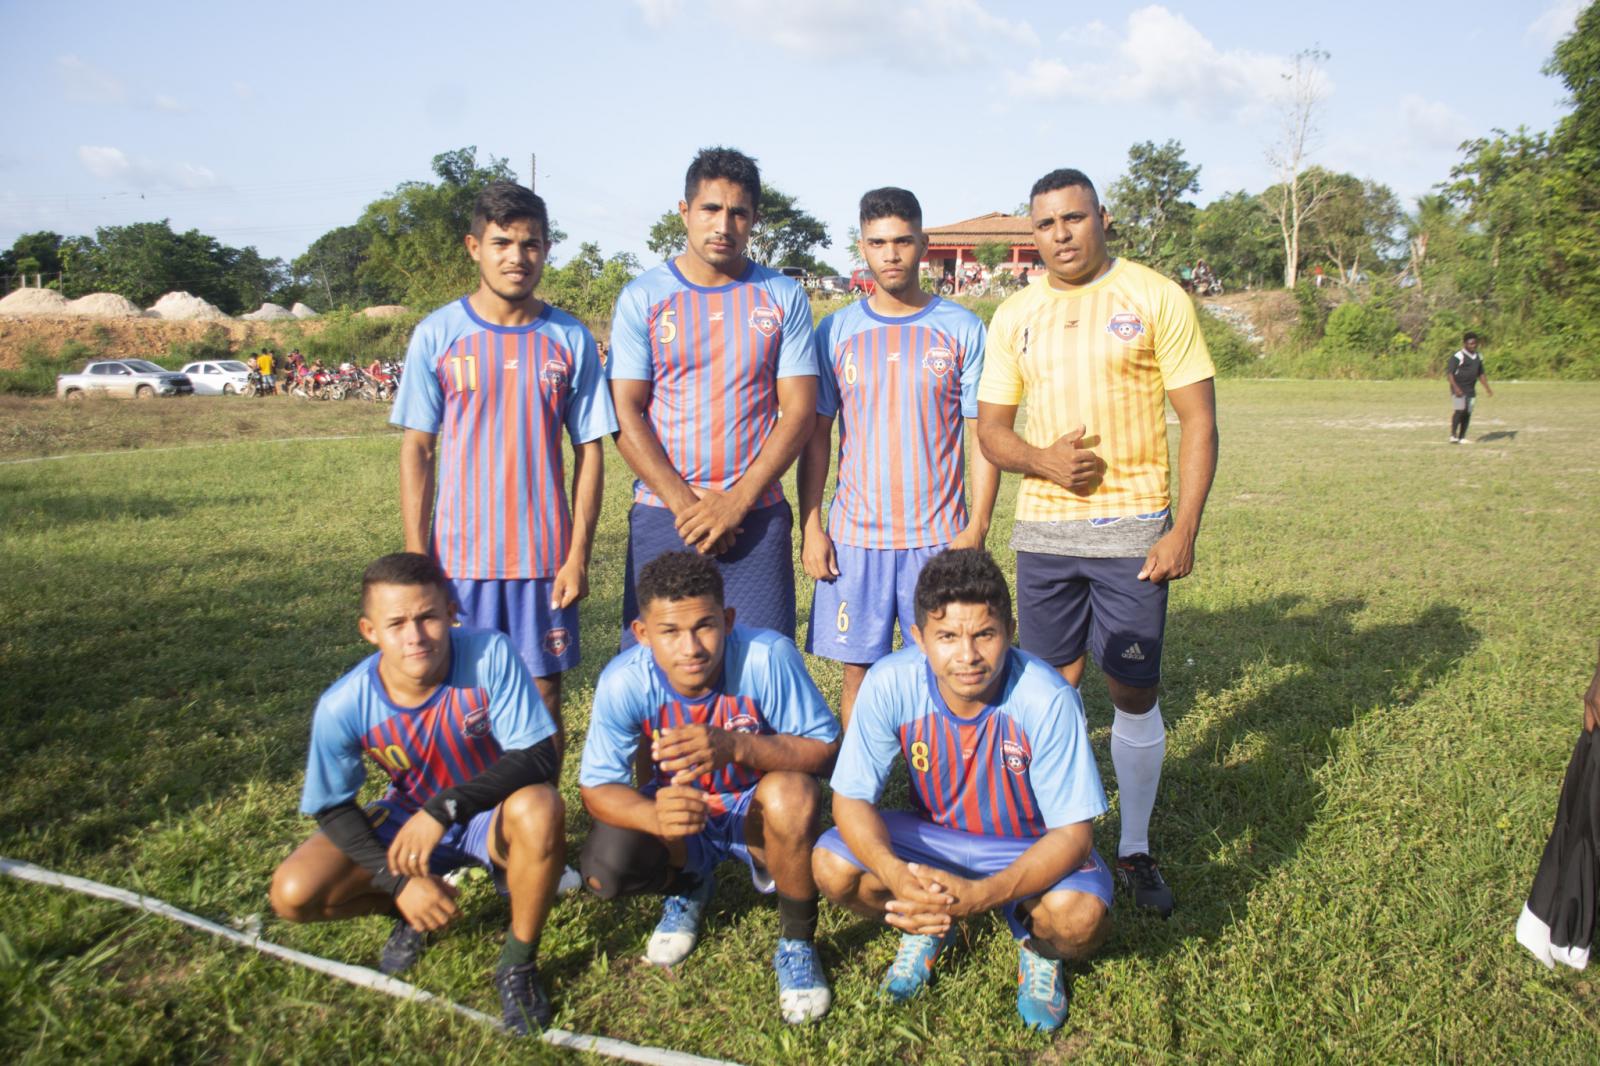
[1102,356]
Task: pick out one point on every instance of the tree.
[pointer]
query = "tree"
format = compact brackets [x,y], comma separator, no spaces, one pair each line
[1153,220]
[1237,237]
[33,253]
[330,271]
[1360,221]
[1297,197]
[992,253]
[783,231]
[589,285]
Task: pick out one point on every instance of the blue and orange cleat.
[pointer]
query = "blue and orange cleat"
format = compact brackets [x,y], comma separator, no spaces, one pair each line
[913,965]
[1041,991]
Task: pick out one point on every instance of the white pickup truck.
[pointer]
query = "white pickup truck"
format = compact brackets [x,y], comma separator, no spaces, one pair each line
[138,378]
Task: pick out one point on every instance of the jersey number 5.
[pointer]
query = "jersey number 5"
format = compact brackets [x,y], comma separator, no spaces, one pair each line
[666,328]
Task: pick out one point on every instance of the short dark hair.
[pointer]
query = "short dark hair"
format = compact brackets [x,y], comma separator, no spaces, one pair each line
[505,202]
[961,575]
[679,575]
[723,164]
[1063,178]
[1468,336]
[403,568]
[890,202]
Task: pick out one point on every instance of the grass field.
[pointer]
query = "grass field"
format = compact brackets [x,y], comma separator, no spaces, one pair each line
[1372,685]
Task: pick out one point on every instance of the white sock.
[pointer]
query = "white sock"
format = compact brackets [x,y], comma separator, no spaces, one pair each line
[1138,744]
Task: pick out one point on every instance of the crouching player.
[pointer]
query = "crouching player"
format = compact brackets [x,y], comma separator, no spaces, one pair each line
[736,731]
[1004,786]
[452,717]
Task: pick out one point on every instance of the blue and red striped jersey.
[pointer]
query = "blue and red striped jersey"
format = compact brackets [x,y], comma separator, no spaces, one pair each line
[486,706]
[764,689]
[1018,768]
[713,357]
[900,388]
[499,397]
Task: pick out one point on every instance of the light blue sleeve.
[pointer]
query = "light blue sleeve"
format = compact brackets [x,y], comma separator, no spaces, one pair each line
[798,355]
[827,383]
[870,745]
[590,414]
[518,718]
[1062,771]
[972,342]
[630,337]
[615,726]
[420,402]
[792,705]
[334,771]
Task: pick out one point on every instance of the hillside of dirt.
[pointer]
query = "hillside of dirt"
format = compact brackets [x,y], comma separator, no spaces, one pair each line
[1265,316]
[133,337]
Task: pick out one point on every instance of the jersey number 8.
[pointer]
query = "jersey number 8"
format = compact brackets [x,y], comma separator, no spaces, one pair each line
[919,757]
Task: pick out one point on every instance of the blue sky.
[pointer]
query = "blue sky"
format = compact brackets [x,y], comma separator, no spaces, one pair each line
[270,124]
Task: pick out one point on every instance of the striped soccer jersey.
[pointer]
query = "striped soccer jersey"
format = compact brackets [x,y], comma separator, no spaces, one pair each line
[1102,356]
[1018,768]
[498,397]
[764,689]
[487,705]
[713,357]
[900,388]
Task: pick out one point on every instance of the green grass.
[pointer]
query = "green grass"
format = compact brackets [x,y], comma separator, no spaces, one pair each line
[1371,683]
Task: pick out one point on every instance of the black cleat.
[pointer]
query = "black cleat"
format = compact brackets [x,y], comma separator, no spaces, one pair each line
[402,950]
[1140,875]
[523,1004]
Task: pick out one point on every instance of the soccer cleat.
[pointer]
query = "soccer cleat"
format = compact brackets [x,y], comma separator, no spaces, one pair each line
[1140,875]
[912,967]
[402,950]
[523,1004]
[803,994]
[679,926]
[1041,991]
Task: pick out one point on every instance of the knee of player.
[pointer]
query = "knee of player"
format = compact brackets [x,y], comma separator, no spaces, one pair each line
[836,877]
[1075,923]
[294,897]
[1131,699]
[534,813]
[790,802]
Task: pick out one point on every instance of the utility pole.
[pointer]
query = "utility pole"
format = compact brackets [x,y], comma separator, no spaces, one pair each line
[532,171]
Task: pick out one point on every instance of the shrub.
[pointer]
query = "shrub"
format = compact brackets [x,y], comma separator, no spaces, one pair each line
[1360,327]
[1230,352]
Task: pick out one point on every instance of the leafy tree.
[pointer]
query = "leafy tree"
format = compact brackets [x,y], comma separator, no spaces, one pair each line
[330,271]
[1237,236]
[668,237]
[1153,220]
[1298,195]
[783,231]
[1360,222]
[588,285]
[992,253]
[33,253]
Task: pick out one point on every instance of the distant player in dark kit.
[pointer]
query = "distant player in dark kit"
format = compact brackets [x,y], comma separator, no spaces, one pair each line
[714,379]
[736,733]
[491,383]
[1004,789]
[1463,371]
[900,371]
[452,717]
[1098,348]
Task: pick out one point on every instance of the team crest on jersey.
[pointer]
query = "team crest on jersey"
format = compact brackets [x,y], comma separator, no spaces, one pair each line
[557,641]
[476,723]
[765,320]
[555,374]
[743,723]
[1016,758]
[1125,326]
[939,361]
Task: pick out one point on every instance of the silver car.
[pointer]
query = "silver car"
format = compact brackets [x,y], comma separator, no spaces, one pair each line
[218,377]
[138,378]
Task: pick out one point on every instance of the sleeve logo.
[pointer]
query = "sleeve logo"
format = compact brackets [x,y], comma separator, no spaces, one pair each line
[765,320]
[939,361]
[557,640]
[1125,326]
[1016,757]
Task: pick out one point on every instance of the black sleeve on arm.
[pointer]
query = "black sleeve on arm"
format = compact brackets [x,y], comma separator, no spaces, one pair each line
[346,825]
[513,770]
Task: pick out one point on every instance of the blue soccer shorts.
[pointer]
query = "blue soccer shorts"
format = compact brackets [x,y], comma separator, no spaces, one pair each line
[971,855]
[1066,603]
[546,638]
[461,845]
[757,572]
[723,840]
[853,616]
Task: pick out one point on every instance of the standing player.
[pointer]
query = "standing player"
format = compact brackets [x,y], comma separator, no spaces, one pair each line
[1463,371]
[490,382]
[714,379]
[1004,785]
[900,369]
[736,732]
[449,714]
[1098,349]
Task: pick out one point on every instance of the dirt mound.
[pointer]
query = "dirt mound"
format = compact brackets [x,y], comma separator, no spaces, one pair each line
[1266,317]
[181,305]
[386,311]
[268,312]
[104,305]
[300,310]
[34,302]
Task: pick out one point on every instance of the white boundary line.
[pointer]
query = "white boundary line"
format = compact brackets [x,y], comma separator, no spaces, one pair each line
[188,447]
[356,975]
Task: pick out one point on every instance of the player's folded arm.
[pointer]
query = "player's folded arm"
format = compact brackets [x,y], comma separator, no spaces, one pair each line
[346,825]
[519,768]
[1050,858]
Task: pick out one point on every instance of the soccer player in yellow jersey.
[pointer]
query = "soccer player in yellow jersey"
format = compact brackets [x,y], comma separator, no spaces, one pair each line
[1097,347]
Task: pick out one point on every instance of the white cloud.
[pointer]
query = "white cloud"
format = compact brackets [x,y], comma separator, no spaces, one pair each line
[89,84]
[1160,58]
[1553,23]
[163,102]
[114,165]
[658,13]
[1430,124]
